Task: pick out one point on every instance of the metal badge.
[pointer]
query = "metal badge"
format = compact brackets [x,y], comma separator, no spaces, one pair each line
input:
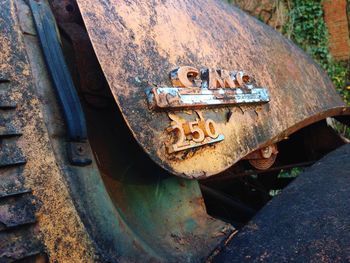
[193,88]
[192,134]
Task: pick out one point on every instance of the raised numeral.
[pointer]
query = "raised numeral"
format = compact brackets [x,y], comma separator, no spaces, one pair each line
[193,134]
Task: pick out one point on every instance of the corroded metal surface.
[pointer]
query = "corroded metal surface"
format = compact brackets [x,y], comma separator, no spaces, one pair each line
[193,88]
[151,216]
[16,212]
[164,213]
[29,161]
[162,219]
[192,134]
[139,43]
[11,182]
[263,158]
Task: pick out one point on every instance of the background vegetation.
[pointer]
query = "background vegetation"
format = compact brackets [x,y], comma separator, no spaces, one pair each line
[303,22]
[307,28]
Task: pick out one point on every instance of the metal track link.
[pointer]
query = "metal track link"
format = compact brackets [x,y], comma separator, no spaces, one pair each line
[17,204]
[18,244]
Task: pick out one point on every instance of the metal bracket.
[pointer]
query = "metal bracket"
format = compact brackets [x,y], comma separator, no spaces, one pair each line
[63,83]
[78,153]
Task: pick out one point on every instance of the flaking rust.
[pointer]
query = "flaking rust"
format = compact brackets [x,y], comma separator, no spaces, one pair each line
[130,47]
[193,88]
[264,158]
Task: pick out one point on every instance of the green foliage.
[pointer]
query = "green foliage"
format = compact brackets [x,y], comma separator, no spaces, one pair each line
[292,173]
[307,28]
[341,128]
[339,73]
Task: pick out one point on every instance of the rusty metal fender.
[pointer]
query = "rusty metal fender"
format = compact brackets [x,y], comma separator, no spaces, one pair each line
[138,43]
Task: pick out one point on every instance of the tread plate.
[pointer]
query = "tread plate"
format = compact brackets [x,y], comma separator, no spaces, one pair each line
[16,212]
[11,182]
[10,154]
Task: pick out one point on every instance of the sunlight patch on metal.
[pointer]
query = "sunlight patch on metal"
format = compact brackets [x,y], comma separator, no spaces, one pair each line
[152,55]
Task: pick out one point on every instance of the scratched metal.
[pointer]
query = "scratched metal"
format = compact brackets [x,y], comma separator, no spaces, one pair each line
[192,144]
[202,97]
[139,43]
[205,88]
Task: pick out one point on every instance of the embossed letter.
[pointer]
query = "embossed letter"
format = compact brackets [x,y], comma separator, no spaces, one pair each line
[184,77]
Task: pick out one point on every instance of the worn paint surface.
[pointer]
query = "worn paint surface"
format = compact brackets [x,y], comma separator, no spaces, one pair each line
[59,226]
[199,97]
[139,43]
[150,215]
[162,219]
[193,88]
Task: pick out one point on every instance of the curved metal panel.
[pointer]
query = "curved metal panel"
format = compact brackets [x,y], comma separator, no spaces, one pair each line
[139,44]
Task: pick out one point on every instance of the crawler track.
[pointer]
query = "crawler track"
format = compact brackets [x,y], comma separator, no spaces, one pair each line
[17,205]
[37,216]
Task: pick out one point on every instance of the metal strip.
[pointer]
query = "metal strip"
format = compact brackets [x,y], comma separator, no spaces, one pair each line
[174,97]
[63,83]
[69,100]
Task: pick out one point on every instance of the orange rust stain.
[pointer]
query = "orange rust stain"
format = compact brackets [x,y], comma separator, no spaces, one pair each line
[148,40]
[60,227]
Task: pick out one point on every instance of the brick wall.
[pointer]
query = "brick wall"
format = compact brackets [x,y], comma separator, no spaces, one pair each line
[337,24]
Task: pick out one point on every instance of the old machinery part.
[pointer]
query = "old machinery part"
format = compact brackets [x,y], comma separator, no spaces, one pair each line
[193,88]
[92,85]
[263,158]
[263,164]
[123,207]
[17,204]
[258,88]
[63,83]
[192,134]
[65,11]
[137,202]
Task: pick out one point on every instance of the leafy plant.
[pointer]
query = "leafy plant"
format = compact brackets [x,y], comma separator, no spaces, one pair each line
[307,28]
[291,173]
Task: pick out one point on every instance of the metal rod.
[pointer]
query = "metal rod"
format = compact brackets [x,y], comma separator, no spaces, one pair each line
[230,175]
